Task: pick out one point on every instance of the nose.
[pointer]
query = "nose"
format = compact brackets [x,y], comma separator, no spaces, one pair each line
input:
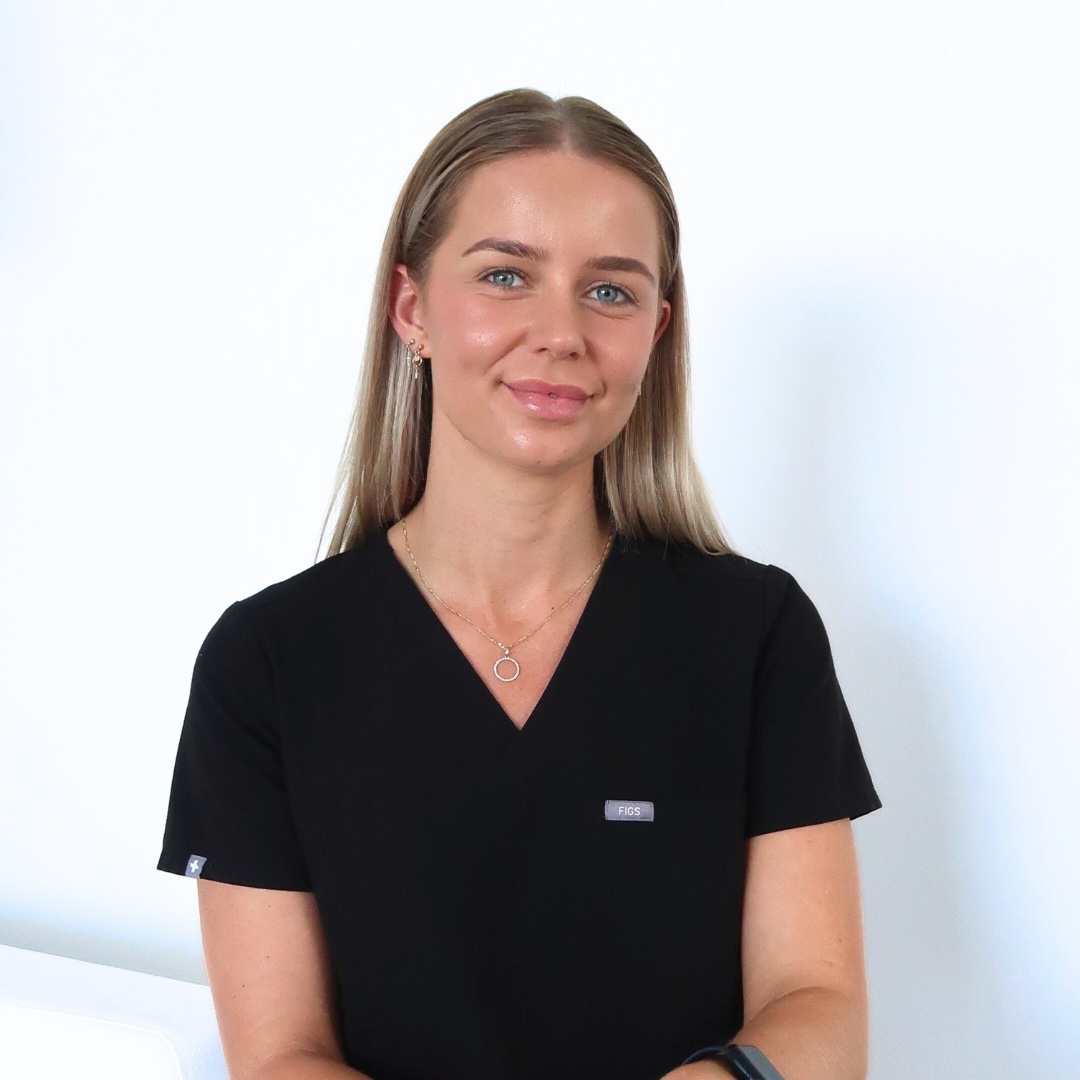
[557,323]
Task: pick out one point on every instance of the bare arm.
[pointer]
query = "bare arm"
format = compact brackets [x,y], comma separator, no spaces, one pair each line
[271,982]
[804,977]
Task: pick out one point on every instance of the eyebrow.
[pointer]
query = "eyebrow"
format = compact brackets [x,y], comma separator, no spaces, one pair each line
[527,251]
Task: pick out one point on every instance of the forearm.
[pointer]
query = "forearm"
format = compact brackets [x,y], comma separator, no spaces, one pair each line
[809,1034]
[304,1065]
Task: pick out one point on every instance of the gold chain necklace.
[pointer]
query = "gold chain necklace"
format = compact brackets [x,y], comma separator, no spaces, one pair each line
[506,658]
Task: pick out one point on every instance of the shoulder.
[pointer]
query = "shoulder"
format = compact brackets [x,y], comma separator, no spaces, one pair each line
[326,579]
[684,558]
[726,598]
[310,606]
[730,578]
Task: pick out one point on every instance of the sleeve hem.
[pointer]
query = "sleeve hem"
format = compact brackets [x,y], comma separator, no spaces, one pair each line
[236,872]
[857,809]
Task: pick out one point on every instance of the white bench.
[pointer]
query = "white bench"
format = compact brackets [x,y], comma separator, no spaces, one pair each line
[62,1018]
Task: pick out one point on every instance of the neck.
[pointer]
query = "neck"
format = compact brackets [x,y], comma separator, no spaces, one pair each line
[506,543]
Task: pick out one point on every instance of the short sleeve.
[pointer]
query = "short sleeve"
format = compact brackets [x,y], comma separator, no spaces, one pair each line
[229,817]
[805,762]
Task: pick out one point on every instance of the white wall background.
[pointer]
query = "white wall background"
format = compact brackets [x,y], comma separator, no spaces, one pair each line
[880,209]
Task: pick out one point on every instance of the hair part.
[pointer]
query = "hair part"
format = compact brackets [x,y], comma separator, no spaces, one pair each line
[646,481]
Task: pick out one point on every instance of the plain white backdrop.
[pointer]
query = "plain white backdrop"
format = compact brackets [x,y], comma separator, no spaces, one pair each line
[879,204]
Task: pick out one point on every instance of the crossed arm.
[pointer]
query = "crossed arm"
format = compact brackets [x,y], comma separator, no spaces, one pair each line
[804,983]
[804,978]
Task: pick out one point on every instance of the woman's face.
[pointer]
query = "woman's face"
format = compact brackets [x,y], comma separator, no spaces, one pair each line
[540,310]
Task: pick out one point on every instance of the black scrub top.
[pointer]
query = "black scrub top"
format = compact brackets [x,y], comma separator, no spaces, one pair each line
[562,900]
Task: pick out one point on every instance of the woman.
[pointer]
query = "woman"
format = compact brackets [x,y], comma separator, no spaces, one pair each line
[532,776]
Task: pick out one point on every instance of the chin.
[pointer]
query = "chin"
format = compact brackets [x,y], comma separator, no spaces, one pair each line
[539,457]
[536,447]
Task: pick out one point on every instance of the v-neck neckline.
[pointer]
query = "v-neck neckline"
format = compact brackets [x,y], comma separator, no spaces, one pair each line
[471,676]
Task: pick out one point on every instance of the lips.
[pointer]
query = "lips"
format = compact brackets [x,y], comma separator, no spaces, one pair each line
[549,401]
[550,390]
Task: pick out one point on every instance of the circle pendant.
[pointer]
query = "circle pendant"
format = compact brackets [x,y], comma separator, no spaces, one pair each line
[508,659]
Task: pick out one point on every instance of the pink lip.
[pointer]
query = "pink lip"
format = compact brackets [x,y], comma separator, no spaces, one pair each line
[549,401]
[551,390]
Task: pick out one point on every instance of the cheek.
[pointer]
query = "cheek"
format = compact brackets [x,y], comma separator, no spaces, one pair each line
[468,324]
[629,352]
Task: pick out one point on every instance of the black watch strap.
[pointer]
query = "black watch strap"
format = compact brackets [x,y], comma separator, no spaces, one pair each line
[743,1062]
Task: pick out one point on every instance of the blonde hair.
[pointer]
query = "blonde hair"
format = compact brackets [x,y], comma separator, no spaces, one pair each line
[646,481]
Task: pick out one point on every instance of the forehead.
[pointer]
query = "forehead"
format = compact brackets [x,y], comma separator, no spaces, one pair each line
[558,200]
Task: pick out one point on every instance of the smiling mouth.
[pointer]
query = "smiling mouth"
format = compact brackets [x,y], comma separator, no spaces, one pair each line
[554,391]
[547,401]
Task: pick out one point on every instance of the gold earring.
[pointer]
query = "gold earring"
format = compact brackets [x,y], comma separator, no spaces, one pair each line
[416,359]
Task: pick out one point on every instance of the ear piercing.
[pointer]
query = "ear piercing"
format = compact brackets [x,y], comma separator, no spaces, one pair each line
[415,358]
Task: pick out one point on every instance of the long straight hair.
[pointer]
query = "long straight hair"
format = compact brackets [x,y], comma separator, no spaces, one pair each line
[646,481]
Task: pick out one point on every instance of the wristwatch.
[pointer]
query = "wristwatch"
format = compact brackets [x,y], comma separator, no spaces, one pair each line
[743,1062]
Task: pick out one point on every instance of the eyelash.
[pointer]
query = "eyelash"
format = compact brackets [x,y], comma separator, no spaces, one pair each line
[600,285]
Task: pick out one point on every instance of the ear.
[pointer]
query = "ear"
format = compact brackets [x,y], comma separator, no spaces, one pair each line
[665,318]
[405,308]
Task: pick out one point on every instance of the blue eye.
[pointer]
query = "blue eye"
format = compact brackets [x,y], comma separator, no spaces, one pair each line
[613,289]
[501,273]
[610,295]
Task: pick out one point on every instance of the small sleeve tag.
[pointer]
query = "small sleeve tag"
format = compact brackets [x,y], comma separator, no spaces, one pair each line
[195,865]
